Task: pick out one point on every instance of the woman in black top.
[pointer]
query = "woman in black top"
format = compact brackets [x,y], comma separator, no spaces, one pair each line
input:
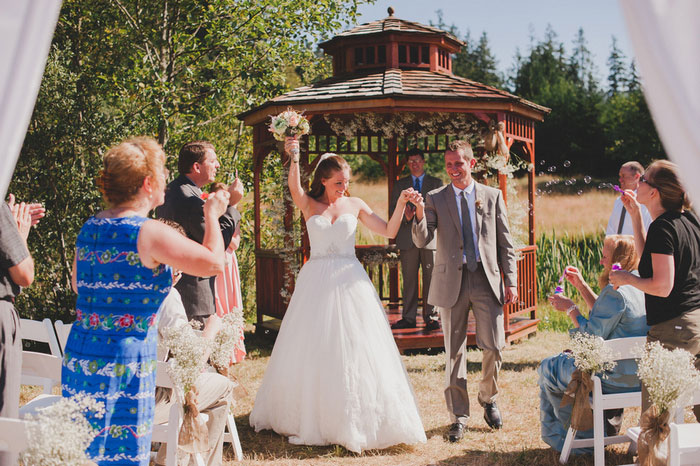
[669,266]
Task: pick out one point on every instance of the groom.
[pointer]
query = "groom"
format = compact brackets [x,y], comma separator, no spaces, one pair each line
[473,248]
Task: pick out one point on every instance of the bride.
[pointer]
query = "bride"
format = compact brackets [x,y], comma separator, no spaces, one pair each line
[335,375]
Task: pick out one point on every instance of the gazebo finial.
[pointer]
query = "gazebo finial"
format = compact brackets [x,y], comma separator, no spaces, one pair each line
[390,10]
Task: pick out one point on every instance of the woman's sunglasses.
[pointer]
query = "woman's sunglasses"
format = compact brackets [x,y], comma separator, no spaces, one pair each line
[647,182]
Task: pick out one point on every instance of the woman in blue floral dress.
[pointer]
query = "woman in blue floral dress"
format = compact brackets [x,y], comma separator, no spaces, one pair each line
[121,279]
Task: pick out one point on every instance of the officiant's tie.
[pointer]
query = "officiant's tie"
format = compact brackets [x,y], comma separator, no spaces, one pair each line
[467,238]
[416,184]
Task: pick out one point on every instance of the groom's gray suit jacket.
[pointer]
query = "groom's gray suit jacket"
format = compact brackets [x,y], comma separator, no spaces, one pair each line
[495,244]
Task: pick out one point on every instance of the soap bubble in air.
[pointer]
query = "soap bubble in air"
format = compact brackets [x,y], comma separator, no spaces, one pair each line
[566,163]
[587,179]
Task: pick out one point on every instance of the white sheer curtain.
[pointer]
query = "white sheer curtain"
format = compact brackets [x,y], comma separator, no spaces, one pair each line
[665,35]
[26,29]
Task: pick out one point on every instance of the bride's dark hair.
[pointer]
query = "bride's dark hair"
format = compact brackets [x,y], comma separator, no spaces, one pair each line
[324,170]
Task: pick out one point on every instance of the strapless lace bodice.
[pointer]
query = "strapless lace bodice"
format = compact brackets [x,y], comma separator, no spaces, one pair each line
[330,240]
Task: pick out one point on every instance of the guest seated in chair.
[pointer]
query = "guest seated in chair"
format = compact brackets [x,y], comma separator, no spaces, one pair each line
[214,391]
[613,314]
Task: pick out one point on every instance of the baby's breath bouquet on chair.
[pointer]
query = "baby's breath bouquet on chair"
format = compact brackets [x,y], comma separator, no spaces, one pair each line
[59,434]
[227,340]
[591,356]
[188,352]
[670,378]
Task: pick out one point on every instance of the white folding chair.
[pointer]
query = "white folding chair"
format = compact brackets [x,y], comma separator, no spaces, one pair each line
[622,348]
[13,435]
[41,331]
[633,432]
[684,444]
[40,369]
[62,332]
[168,433]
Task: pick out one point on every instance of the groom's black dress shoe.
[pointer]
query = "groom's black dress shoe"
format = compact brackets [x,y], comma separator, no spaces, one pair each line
[431,325]
[492,415]
[456,432]
[403,323]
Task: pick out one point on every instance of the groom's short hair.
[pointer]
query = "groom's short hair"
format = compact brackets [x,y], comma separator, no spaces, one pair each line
[463,148]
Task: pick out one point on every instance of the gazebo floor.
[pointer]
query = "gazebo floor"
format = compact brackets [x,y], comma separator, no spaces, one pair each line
[418,338]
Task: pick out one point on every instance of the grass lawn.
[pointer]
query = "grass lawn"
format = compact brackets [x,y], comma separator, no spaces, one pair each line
[518,443]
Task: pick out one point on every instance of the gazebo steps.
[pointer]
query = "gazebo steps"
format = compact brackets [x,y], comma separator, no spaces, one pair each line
[418,338]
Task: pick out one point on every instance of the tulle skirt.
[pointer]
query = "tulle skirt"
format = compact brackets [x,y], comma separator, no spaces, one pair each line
[335,375]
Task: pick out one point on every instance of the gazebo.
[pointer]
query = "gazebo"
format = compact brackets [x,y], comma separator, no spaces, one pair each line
[392,88]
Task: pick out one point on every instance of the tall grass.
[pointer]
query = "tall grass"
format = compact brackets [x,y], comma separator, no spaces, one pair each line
[554,253]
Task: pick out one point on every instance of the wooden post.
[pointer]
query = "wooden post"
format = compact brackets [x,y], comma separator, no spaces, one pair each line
[392,175]
[531,186]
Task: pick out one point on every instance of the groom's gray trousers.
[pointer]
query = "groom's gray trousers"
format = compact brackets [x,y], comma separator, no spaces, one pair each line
[475,294]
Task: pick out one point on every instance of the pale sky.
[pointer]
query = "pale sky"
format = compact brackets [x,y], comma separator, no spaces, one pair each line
[510,23]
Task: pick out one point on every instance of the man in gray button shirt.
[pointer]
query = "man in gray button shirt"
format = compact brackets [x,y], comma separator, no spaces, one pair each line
[16,270]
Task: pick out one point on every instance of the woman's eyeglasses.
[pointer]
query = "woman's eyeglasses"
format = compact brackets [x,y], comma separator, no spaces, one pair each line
[647,182]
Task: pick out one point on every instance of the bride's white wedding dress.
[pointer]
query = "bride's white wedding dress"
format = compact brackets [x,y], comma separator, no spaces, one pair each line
[335,375]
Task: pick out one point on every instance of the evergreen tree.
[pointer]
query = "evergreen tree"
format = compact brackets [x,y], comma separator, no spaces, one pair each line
[617,77]
[475,60]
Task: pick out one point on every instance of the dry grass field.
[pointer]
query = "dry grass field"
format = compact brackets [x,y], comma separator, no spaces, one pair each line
[562,210]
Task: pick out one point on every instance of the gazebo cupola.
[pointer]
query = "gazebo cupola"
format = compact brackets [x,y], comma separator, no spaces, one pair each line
[392,43]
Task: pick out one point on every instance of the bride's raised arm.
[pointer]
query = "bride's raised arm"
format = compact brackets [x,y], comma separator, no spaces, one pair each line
[375,223]
[299,196]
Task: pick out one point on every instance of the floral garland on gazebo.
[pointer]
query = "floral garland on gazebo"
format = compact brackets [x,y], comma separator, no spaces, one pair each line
[419,125]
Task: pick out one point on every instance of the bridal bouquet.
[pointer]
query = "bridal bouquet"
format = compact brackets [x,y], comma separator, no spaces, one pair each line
[289,124]
[59,434]
[670,378]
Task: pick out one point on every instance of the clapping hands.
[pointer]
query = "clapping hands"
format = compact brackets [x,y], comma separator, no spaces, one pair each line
[217,203]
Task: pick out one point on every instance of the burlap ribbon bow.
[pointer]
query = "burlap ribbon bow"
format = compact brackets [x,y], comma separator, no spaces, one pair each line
[654,432]
[194,435]
[494,139]
[578,392]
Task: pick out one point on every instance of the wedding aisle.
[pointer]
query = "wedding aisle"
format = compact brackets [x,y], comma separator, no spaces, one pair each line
[518,443]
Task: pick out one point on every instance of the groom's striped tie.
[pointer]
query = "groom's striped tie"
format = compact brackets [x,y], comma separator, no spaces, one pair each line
[467,238]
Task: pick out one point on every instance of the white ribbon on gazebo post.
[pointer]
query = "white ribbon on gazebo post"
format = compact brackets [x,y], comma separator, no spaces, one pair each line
[665,35]
[26,29]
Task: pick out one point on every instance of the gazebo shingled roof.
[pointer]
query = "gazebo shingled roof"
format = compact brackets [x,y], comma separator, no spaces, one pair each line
[386,67]
[398,83]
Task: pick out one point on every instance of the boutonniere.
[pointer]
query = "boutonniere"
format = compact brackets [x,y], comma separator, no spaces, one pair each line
[204,196]
[478,204]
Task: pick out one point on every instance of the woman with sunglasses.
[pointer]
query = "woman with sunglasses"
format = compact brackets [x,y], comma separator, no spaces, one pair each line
[669,266]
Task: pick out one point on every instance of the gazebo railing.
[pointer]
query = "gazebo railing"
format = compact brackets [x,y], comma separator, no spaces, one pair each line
[271,269]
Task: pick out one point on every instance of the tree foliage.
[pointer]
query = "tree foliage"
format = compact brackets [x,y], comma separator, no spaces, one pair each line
[176,70]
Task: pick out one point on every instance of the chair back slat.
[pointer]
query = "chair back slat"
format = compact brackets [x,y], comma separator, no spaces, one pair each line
[41,331]
[41,365]
[625,348]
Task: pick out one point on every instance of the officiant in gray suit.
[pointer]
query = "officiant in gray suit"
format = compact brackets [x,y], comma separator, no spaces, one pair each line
[412,257]
[474,247]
